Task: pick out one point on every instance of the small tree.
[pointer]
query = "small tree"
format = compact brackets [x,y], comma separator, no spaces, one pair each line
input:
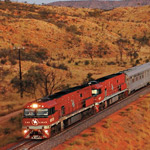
[89,50]
[88,78]
[122,43]
[38,78]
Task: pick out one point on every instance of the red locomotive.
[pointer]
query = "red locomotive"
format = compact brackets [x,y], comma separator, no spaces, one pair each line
[50,115]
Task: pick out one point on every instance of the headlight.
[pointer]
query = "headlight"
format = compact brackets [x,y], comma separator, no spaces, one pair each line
[25,131]
[46,131]
[34,105]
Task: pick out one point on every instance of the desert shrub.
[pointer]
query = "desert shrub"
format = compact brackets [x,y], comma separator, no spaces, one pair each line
[93,129]
[69,61]
[76,63]
[123,113]
[129,109]
[48,63]
[137,62]
[147,60]
[88,143]
[3,61]
[107,123]
[54,65]
[9,107]
[34,56]
[143,40]
[13,61]
[111,63]
[95,13]
[42,54]
[6,131]
[12,119]
[86,62]
[17,120]
[78,142]
[63,67]
[88,78]
[32,16]
[73,29]
[85,135]
[4,53]
[60,24]
[45,13]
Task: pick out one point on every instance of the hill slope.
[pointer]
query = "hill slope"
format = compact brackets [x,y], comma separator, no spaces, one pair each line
[69,41]
[107,5]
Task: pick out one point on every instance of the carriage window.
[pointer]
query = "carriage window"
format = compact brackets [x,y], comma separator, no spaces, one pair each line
[80,95]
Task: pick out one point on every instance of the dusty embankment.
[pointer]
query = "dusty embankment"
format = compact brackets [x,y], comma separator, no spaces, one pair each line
[127,129]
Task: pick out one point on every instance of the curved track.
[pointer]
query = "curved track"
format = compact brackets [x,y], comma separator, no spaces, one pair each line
[26,145]
[80,126]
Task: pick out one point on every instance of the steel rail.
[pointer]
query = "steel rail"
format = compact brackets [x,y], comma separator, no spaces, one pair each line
[25,145]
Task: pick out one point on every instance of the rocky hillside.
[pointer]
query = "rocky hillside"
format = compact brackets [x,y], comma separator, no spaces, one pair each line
[105,4]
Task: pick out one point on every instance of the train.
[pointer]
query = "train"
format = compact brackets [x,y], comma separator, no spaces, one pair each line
[51,114]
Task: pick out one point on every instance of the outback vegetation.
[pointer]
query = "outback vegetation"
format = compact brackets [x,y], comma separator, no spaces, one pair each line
[62,47]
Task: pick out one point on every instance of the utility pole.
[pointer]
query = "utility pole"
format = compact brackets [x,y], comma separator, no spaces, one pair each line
[20,72]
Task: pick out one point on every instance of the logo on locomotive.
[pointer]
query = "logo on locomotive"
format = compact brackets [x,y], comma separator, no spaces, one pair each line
[35,122]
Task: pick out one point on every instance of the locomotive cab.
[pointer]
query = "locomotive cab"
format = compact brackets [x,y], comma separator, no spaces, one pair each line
[36,121]
[97,90]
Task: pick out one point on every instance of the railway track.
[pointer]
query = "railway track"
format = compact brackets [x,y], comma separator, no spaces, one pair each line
[79,127]
[26,145]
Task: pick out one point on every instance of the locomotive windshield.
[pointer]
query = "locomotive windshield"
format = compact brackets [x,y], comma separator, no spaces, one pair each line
[29,112]
[36,113]
[42,112]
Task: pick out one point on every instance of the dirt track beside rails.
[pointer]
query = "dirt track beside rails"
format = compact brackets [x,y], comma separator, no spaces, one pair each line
[7,117]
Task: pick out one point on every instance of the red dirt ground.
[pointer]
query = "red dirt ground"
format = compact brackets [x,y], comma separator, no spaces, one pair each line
[127,129]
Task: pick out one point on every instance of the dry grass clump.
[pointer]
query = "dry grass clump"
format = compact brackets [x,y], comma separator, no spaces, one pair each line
[107,123]
[10,131]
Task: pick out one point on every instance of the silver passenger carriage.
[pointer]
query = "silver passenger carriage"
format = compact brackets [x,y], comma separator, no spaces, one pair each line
[137,77]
